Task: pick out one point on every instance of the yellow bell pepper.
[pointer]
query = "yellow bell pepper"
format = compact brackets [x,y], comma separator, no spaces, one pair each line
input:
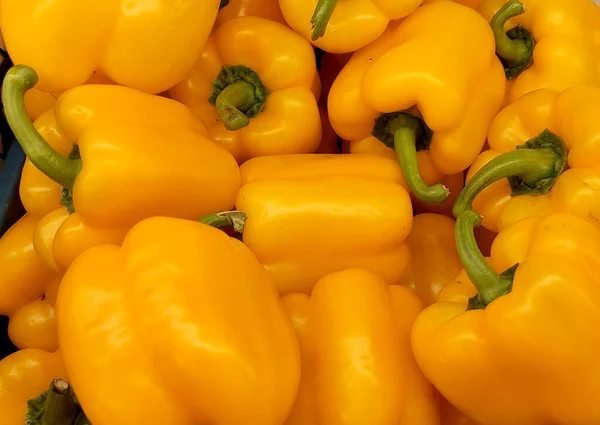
[358,367]
[346,25]
[423,67]
[311,215]
[551,44]
[569,120]
[141,156]
[176,286]
[34,326]
[24,277]
[150,46]
[37,102]
[268,9]
[526,351]
[252,87]
[23,376]
[434,259]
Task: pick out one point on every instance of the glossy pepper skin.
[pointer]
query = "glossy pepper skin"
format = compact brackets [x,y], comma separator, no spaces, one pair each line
[569,115]
[411,65]
[25,375]
[24,277]
[237,357]
[311,215]
[469,3]
[342,26]
[352,312]
[262,102]
[34,326]
[434,260]
[562,47]
[529,357]
[268,9]
[141,156]
[150,46]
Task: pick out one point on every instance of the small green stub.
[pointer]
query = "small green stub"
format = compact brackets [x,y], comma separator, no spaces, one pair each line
[60,407]
[542,185]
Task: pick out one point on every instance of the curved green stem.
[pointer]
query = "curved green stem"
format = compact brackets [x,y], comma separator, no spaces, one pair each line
[321,18]
[515,47]
[60,407]
[59,168]
[233,102]
[532,169]
[490,285]
[405,129]
[235,219]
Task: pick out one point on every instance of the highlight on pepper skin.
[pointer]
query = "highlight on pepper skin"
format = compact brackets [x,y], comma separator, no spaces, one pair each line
[300,212]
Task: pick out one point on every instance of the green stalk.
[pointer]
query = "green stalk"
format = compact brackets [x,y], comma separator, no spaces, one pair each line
[532,169]
[59,168]
[321,18]
[235,219]
[405,129]
[515,47]
[490,285]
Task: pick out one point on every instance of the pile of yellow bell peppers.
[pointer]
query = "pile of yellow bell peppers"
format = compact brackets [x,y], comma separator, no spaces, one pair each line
[303,212]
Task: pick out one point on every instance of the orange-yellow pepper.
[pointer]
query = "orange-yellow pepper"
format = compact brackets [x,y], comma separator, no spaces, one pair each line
[342,26]
[358,366]
[268,9]
[434,260]
[185,288]
[34,326]
[252,87]
[526,351]
[311,215]
[150,46]
[570,117]
[419,87]
[551,44]
[141,156]
[37,102]
[23,376]
[24,277]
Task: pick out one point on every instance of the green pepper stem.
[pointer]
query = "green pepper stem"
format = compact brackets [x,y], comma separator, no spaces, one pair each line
[59,168]
[529,164]
[513,52]
[233,102]
[490,285]
[235,219]
[321,18]
[404,128]
[60,407]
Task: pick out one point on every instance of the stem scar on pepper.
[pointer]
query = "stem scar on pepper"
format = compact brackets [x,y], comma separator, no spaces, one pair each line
[514,47]
[56,406]
[321,17]
[490,285]
[531,169]
[407,134]
[59,168]
[235,219]
[238,94]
